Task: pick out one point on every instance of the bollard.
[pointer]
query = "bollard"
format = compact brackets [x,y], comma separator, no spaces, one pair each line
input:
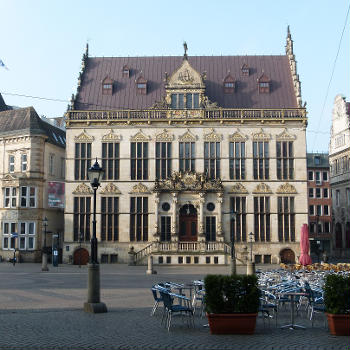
[250,268]
[150,270]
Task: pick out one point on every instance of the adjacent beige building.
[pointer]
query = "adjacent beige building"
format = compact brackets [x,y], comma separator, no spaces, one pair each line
[339,159]
[197,151]
[32,183]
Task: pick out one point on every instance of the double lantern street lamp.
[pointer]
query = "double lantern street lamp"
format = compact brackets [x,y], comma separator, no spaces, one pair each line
[233,251]
[93,304]
[44,249]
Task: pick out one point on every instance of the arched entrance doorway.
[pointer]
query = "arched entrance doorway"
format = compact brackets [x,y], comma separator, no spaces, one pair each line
[81,256]
[287,256]
[338,236]
[188,223]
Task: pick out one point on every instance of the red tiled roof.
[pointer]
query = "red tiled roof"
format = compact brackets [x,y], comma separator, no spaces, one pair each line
[153,69]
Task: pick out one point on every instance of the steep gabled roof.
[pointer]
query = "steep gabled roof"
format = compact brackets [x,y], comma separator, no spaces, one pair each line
[26,121]
[3,106]
[282,94]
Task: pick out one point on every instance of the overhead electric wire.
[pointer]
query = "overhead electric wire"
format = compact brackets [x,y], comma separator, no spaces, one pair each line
[330,80]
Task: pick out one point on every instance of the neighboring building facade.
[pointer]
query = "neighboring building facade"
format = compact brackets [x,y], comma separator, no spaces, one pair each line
[185,142]
[320,204]
[339,159]
[32,182]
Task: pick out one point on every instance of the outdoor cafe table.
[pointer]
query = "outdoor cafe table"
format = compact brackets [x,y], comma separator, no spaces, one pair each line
[292,325]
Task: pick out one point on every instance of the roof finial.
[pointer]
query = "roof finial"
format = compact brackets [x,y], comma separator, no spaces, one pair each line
[185,49]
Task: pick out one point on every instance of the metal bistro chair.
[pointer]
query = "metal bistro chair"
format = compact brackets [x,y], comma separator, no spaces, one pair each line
[157,299]
[171,308]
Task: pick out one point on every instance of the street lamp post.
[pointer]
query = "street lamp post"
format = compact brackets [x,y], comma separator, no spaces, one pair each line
[251,235]
[233,251]
[93,304]
[44,249]
[81,237]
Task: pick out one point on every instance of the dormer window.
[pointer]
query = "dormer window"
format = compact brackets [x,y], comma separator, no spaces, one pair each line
[141,85]
[245,70]
[229,84]
[107,86]
[264,84]
[126,72]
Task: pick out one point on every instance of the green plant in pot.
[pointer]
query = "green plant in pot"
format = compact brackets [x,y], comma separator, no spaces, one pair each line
[232,303]
[337,303]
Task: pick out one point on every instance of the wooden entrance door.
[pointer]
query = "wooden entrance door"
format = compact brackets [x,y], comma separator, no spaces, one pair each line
[81,256]
[188,223]
[287,256]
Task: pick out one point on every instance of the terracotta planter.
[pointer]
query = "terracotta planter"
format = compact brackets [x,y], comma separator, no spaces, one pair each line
[339,324]
[232,323]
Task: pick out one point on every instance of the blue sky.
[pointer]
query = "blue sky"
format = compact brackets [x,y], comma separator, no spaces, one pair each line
[42,43]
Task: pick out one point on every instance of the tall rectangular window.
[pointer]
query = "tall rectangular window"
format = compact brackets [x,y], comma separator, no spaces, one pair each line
[10,197]
[347,196]
[110,160]
[82,160]
[325,193]
[24,162]
[51,164]
[238,225]
[337,198]
[81,217]
[286,219]
[262,228]
[165,228]
[138,219]
[311,193]
[285,160]
[318,178]
[187,154]
[237,160]
[210,228]
[8,241]
[177,101]
[26,235]
[28,197]
[11,163]
[109,218]
[139,160]
[212,159]
[163,160]
[260,160]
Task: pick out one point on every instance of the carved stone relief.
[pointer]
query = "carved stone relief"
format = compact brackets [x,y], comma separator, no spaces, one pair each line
[140,137]
[286,188]
[212,136]
[83,189]
[84,137]
[262,188]
[238,188]
[165,136]
[261,136]
[110,188]
[111,136]
[285,136]
[187,137]
[140,188]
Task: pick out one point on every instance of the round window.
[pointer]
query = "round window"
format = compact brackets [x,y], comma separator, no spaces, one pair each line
[166,206]
[210,206]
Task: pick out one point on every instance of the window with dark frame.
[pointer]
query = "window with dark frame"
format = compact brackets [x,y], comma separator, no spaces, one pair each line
[229,84]
[82,161]
[187,156]
[245,70]
[237,160]
[210,228]
[126,72]
[28,197]
[286,219]
[261,160]
[10,197]
[24,162]
[238,226]
[109,218]
[141,85]
[311,193]
[285,160]
[138,219]
[325,193]
[107,86]
[212,159]
[139,161]
[165,228]
[163,160]
[11,163]
[110,160]
[192,101]
[81,217]
[262,226]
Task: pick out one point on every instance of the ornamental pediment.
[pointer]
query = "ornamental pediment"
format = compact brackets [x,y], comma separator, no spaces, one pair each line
[83,189]
[188,181]
[140,137]
[286,188]
[285,136]
[111,136]
[237,136]
[140,189]
[9,177]
[84,137]
[165,136]
[110,188]
[261,136]
[213,136]
[238,188]
[187,137]
[185,76]
[262,188]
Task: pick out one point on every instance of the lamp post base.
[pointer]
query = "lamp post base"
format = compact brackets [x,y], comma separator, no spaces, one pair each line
[233,266]
[250,268]
[44,263]
[93,304]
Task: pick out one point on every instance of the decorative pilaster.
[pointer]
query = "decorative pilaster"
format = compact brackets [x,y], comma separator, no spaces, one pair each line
[174,237]
[156,217]
[201,217]
[219,202]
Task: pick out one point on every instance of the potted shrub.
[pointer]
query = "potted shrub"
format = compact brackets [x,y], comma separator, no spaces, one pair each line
[337,303]
[232,303]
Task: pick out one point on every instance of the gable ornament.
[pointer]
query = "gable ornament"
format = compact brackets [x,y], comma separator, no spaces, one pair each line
[187,137]
[140,136]
[238,188]
[285,136]
[262,188]
[165,136]
[84,137]
[111,136]
[261,136]
[110,188]
[140,188]
[83,189]
[286,188]
[212,136]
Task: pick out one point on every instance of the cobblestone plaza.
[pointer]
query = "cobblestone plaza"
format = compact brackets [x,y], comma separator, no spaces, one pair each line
[41,310]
